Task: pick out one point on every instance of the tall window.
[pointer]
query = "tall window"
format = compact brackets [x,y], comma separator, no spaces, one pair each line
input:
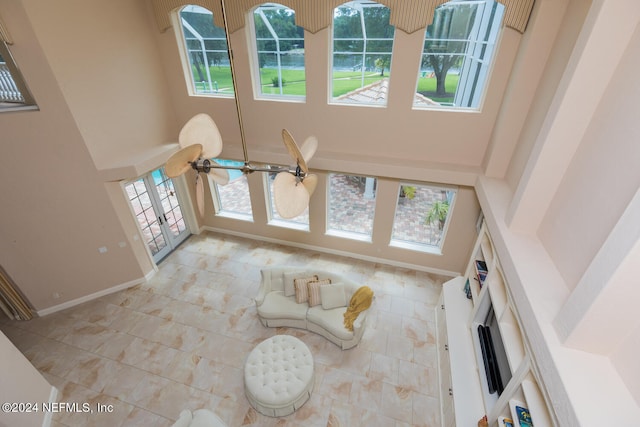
[280,51]
[422,216]
[351,206]
[362,46]
[457,54]
[207,53]
[232,200]
[13,90]
[301,222]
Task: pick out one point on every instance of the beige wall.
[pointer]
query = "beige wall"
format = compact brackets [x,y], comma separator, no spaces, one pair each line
[105,57]
[56,211]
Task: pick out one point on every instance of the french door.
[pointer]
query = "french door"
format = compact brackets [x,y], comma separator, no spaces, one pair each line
[156,206]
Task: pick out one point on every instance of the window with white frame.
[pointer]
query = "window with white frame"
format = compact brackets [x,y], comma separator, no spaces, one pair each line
[13,89]
[301,222]
[457,54]
[422,216]
[232,200]
[279,49]
[361,53]
[351,206]
[206,51]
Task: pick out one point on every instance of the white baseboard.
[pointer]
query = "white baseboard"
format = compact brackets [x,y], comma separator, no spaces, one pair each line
[334,252]
[86,298]
[53,395]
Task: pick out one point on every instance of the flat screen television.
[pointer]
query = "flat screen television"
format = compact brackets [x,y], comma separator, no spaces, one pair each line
[496,364]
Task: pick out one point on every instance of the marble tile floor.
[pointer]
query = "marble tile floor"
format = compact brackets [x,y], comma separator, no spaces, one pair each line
[180,340]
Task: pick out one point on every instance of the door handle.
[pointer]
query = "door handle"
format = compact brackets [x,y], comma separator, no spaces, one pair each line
[165,217]
[160,220]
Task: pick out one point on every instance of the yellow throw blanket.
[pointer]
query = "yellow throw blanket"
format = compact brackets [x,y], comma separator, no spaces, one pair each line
[360,301]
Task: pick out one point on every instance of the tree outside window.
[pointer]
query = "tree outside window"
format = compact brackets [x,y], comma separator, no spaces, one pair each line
[457,52]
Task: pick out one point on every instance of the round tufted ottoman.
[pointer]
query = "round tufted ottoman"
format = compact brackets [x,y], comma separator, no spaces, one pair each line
[278,375]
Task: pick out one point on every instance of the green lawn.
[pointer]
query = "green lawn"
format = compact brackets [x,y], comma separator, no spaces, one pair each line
[343,82]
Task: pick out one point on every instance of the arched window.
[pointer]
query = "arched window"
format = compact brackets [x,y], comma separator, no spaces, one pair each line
[279,52]
[457,54]
[362,47]
[206,53]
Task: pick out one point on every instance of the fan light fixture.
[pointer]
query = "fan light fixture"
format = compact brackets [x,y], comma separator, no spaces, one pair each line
[200,141]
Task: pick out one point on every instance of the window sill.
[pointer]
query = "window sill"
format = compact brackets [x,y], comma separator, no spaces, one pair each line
[429,249]
[235,215]
[349,235]
[287,224]
[6,107]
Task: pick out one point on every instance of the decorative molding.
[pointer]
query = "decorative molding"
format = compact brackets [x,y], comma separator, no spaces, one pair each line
[406,15]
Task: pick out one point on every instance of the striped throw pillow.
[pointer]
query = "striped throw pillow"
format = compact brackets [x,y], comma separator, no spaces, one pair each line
[314,291]
[302,290]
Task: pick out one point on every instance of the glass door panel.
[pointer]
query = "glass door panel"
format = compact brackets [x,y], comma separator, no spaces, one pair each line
[171,212]
[155,204]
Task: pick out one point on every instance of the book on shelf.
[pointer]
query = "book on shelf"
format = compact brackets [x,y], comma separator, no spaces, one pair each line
[467,289]
[520,414]
[481,271]
[505,422]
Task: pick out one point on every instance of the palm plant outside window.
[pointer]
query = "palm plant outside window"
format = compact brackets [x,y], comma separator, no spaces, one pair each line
[280,51]
[362,47]
[207,53]
[458,51]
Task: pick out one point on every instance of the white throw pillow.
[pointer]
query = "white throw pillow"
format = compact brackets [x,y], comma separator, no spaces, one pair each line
[289,287]
[333,296]
[276,282]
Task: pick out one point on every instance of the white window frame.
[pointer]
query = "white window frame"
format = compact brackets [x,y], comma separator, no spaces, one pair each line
[471,91]
[218,205]
[424,247]
[255,61]
[352,235]
[271,209]
[186,62]
[355,5]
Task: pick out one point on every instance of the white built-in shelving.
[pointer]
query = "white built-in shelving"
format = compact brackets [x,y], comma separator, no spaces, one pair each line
[464,388]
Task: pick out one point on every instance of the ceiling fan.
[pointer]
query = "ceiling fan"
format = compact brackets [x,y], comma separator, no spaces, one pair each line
[200,142]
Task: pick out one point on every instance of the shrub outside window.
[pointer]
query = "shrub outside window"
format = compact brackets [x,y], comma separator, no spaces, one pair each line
[279,46]
[351,206]
[232,200]
[457,54]
[301,222]
[207,53]
[422,216]
[362,47]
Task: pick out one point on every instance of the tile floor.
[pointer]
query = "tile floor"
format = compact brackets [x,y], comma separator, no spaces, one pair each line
[180,340]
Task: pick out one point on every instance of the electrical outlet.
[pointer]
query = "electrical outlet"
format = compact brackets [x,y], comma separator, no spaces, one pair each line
[55,295]
[122,244]
[102,249]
